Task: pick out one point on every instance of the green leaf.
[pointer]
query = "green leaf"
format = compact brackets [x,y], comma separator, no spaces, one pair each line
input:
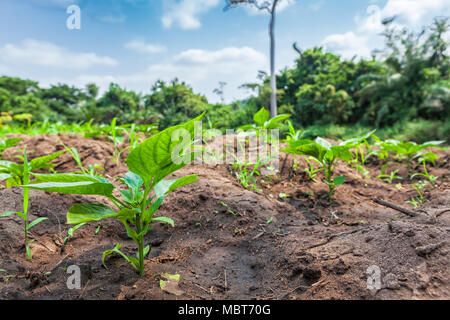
[166,186]
[11,167]
[8,213]
[247,127]
[72,184]
[339,180]
[27,248]
[165,220]
[146,251]
[4,176]
[80,213]
[127,195]
[307,147]
[154,158]
[356,141]
[342,152]
[133,181]
[261,116]
[72,230]
[153,208]
[35,222]
[323,143]
[274,122]
[133,261]
[43,162]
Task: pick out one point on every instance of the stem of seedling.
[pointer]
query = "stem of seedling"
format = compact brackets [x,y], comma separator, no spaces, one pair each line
[139,223]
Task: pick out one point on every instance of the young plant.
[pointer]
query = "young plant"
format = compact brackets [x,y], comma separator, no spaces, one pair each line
[25,178]
[361,153]
[92,170]
[71,231]
[409,150]
[327,156]
[15,174]
[245,172]
[264,122]
[8,143]
[424,158]
[114,131]
[420,199]
[311,170]
[293,135]
[389,178]
[149,163]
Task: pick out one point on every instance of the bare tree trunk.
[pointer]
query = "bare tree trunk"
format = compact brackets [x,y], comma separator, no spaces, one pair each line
[273,79]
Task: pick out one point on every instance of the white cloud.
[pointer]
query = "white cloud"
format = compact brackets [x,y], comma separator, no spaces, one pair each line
[348,44]
[202,69]
[184,13]
[366,37]
[144,48]
[46,54]
[414,12]
[282,5]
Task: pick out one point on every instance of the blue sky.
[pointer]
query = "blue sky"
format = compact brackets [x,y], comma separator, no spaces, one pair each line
[136,42]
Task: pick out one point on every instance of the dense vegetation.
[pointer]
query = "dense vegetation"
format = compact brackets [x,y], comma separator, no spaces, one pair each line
[405,86]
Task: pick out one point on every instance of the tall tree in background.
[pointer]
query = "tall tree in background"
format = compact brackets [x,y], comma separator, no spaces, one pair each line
[270,7]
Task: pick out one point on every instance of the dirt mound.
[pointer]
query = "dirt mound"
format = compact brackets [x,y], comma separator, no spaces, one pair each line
[92,151]
[233,243]
[410,254]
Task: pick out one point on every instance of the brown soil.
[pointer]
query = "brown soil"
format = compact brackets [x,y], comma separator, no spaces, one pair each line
[298,247]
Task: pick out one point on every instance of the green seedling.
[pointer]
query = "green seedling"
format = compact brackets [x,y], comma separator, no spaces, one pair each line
[420,199]
[293,135]
[14,173]
[409,150]
[149,163]
[24,175]
[311,171]
[424,158]
[390,177]
[118,140]
[228,209]
[264,122]
[71,231]
[92,170]
[8,143]
[364,151]
[327,156]
[245,172]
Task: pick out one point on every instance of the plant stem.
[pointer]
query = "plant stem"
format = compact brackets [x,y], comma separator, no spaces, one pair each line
[330,183]
[25,212]
[140,246]
[139,227]
[409,166]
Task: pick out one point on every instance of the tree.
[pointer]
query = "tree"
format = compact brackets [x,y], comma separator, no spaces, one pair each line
[412,86]
[270,7]
[220,91]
